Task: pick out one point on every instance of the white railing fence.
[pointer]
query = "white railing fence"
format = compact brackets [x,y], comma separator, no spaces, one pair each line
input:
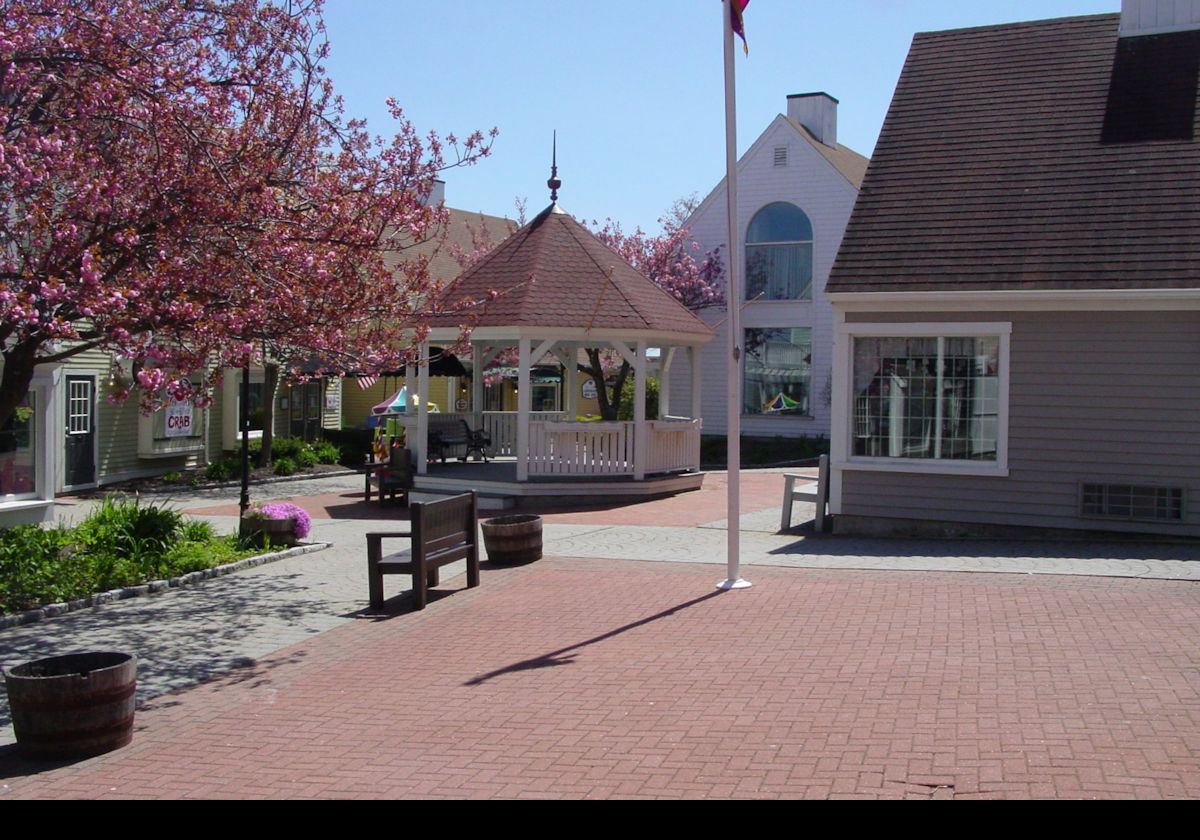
[674,445]
[560,448]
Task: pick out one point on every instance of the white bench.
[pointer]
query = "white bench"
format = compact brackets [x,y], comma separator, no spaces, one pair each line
[816,492]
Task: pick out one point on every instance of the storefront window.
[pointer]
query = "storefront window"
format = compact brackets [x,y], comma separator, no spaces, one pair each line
[778,374]
[927,397]
[17,447]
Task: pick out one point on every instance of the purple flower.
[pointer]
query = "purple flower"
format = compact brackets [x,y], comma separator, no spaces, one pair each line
[286,510]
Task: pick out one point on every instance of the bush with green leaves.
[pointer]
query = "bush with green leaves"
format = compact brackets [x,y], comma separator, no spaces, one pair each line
[628,393]
[129,539]
[285,466]
[223,469]
[122,543]
[326,452]
[37,566]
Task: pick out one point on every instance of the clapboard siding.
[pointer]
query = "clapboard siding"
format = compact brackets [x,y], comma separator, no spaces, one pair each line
[1109,397]
[826,196]
[117,427]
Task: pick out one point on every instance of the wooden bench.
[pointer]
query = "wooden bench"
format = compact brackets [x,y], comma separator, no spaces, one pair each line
[396,475]
[816,492]
[442,532]
[448,432]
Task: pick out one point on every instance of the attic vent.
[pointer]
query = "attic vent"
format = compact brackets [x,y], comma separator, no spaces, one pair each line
[781,155]
[1128,501]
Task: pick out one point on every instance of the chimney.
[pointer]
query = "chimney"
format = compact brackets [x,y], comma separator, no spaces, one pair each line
[818,113]
[1154,17]
[438,196]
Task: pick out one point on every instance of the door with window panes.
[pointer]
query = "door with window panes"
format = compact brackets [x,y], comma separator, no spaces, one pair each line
[305,410]
[81,431]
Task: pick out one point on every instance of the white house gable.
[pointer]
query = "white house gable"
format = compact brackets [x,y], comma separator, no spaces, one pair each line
[784,166]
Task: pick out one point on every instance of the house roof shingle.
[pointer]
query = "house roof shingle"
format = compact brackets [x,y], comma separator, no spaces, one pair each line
[844,159]
[439,246]
[554,273]
[990,173]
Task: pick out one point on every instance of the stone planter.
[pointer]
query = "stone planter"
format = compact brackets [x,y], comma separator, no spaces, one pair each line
[510,540]
[73,706]
[270,532]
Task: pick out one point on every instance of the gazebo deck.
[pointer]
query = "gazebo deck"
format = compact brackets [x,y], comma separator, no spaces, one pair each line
[498,488]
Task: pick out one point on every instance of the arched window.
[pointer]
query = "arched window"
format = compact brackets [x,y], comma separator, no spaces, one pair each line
[779,247]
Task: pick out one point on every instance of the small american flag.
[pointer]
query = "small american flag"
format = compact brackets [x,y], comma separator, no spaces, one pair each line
[366,382]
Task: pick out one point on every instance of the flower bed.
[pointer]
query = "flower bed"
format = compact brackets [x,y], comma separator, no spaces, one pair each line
[122,543]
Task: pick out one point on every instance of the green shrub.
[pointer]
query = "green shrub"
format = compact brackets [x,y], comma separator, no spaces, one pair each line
[129,538]
[625,409]
[285,466]
[37,567]
[223,469]
[122,543]
[197,530]
[326,452]
[172,476]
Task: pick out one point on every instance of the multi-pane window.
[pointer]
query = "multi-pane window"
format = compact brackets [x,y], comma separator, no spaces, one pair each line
[777,379]
[779,254]
[79,407]
[927,397]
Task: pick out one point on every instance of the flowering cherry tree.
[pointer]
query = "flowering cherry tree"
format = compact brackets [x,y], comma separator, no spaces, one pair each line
[675,263]
[179,185]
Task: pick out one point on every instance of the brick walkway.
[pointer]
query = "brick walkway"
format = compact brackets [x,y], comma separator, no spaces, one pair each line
[587,678]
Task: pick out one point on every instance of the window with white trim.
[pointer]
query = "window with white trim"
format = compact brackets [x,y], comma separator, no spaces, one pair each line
[928,394]
[18,451]
[779,254]
[777,377]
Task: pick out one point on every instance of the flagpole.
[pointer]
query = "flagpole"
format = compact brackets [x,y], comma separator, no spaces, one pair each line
[733,298]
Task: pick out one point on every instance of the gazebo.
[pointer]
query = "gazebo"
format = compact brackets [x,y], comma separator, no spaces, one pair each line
[554,289]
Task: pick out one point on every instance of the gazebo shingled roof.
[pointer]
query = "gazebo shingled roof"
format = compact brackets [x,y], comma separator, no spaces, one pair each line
[555,273]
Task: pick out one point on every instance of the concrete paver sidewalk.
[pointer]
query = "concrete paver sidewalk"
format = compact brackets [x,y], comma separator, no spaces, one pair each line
[607,675]
[580,678]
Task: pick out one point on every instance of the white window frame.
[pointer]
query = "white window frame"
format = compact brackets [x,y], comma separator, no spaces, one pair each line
[761,298]
[843,408]
[780,418]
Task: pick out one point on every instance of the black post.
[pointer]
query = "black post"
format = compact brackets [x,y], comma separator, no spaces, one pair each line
[244,419]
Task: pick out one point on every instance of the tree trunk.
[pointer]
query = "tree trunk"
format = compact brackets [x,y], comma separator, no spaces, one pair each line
[610,401]
[19,364]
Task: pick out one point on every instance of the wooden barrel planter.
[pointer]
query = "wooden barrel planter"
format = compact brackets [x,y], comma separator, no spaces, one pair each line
[72,706]
[513,539]
[271,532]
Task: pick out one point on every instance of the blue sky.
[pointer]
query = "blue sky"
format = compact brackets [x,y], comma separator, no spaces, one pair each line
[633,87]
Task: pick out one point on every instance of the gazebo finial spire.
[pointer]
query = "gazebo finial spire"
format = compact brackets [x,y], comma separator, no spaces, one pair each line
[554,183]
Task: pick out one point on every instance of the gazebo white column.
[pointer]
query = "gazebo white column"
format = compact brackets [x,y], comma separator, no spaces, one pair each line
[664,381]
[694,364]
[414,442]
[477,362]
[641,432]
[524,402]
[423,409]
[566,355]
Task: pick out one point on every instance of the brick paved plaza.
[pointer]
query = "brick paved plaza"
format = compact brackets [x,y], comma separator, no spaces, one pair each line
[591,677]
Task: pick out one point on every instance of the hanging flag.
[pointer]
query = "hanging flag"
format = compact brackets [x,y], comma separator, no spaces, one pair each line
[366,382]
[736,10]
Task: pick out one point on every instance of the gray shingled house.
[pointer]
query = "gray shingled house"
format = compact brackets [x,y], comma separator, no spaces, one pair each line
[1017,295]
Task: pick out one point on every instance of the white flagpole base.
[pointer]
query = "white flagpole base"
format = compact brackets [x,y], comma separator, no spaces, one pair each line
[730,583]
